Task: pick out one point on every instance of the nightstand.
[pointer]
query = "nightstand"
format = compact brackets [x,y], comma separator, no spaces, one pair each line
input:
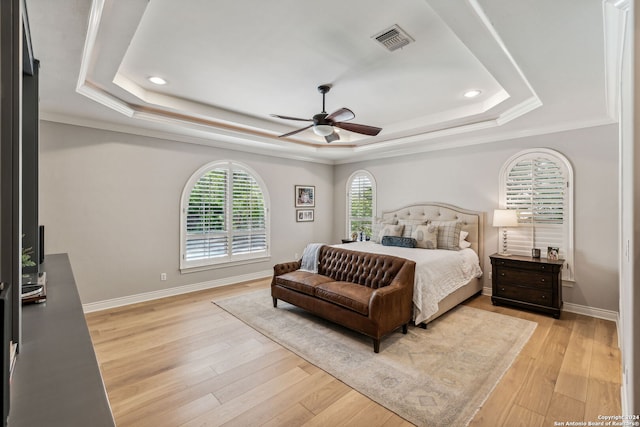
[525,282]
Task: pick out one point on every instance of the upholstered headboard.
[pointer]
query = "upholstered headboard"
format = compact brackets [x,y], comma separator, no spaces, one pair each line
[472,221]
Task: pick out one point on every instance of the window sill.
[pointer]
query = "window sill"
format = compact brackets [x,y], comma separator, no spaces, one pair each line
[186,270]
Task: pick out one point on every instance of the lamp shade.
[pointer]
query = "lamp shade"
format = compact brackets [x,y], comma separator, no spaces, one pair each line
[505,218]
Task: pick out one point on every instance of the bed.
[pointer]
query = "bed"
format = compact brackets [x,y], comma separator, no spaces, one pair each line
[444,278]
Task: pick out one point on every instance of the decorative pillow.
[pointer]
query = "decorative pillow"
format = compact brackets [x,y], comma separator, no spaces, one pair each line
[403,242]
[448,234]
[409,226]
[378,225]
[426,236]
[390,230]
[463,240]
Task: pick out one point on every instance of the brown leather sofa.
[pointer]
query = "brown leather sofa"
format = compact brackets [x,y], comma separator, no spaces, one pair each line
[369,293]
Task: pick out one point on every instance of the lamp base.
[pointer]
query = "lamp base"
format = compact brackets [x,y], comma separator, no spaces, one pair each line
[504,254]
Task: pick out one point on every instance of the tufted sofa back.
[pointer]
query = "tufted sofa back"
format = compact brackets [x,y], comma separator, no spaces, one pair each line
[370,270]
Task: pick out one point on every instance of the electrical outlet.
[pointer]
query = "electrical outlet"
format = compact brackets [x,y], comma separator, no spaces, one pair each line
[490,275]
[163,276]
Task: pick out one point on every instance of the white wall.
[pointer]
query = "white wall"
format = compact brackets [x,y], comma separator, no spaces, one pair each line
[112,201]
[629,324]
[468,177]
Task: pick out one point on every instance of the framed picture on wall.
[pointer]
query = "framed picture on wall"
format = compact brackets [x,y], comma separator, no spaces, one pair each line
[305,196]
[304,215]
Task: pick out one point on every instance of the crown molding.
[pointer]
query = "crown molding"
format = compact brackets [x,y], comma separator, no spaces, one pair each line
[315,156]
[206,140]
[475,140]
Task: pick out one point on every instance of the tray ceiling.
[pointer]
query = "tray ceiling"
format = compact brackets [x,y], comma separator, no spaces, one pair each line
[539,66]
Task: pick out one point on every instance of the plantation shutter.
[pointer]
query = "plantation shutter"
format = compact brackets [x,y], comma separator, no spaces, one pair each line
[360,204]
[225,217]
[248,215]
[537,186]
[206,219]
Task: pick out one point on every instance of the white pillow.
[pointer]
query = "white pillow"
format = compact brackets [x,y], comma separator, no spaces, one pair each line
[426,236]
[463,240]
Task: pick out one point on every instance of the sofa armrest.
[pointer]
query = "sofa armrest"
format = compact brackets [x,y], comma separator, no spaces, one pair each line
[286,267]
[393,304]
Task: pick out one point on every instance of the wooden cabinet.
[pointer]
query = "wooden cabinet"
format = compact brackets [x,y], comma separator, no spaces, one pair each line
[525,282]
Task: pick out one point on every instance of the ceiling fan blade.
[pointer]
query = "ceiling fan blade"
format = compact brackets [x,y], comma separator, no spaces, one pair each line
[341,115]
[333,137]
[290,118]
[363,129]
[295,131]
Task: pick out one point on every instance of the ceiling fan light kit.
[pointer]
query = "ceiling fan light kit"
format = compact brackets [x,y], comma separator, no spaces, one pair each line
[323,130]
[323,123]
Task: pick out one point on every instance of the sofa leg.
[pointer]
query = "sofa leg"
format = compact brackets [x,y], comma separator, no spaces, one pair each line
[376,345]
[275,302]
[405,328]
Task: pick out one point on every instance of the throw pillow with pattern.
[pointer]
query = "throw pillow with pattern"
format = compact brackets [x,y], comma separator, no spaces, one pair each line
[426,236]
[449,234]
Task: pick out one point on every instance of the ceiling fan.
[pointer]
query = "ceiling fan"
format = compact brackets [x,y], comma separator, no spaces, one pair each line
[323,123]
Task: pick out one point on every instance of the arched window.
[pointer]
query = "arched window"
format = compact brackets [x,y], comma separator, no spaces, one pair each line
[538,183]
[361,202]
[224,216]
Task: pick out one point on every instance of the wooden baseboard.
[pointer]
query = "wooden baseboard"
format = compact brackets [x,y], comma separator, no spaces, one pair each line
[178,290]
[579,309]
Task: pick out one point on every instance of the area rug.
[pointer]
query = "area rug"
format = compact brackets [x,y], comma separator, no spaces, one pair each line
[439,376]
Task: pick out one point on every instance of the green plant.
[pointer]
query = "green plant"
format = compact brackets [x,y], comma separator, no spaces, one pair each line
[26,257]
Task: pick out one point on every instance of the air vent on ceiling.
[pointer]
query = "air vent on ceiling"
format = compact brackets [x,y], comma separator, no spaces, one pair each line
[393,38]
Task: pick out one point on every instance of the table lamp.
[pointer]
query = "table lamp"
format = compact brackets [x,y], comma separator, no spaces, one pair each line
[505,218]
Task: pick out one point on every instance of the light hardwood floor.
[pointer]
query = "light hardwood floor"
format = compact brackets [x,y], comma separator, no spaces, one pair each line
[183,361]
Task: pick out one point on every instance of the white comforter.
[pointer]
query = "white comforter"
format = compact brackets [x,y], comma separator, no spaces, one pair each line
[438,272]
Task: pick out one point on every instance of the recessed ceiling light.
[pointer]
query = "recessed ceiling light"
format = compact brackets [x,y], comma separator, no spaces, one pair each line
[157,80]
[472,93]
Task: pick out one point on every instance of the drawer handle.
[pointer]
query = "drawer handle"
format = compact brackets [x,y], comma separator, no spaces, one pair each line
[544,297]
[501,262]
[542,267]
[542,280]
[502,289]
[502,274]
